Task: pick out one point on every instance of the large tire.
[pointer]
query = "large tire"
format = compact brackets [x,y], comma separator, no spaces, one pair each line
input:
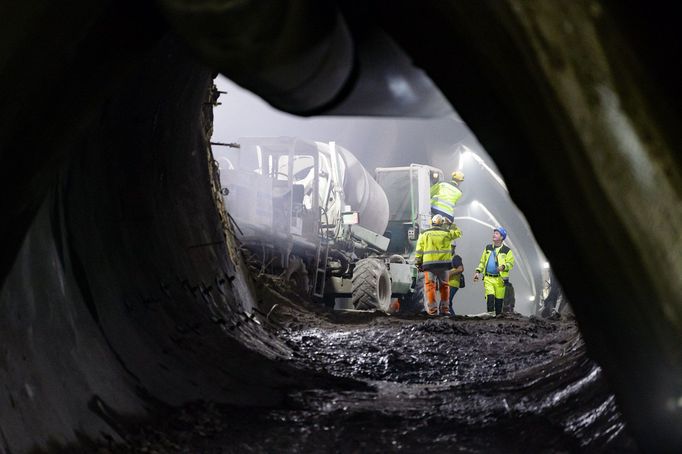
[371,285]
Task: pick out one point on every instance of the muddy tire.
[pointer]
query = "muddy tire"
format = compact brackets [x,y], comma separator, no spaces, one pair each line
[371,285]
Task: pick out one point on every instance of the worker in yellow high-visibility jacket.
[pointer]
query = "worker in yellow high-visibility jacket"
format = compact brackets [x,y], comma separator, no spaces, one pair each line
[496,262]
[433,256]
[445,194]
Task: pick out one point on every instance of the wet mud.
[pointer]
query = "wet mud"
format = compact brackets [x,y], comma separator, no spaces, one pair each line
[411,384]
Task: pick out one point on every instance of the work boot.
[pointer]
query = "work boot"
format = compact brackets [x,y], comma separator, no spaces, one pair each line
[444,310]
[490,303]
[498,306]
[431,308]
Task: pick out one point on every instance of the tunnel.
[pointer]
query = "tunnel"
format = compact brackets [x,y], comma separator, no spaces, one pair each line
[123,292]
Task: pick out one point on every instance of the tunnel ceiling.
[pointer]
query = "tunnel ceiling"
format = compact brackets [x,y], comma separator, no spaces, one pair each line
[113,244]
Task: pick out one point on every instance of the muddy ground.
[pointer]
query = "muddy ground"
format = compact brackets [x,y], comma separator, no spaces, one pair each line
[461,384]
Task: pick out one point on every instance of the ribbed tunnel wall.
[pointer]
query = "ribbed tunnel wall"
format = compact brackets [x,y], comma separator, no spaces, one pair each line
[123,293]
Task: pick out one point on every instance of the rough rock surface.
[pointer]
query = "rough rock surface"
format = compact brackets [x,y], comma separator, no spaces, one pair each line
[512,384]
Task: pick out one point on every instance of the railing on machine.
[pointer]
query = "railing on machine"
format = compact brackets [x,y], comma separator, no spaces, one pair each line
[321,267]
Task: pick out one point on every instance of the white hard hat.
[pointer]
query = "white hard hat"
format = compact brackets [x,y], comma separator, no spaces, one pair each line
[437,219]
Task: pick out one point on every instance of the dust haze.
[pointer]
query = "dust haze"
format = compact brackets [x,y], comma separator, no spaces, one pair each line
[445,142]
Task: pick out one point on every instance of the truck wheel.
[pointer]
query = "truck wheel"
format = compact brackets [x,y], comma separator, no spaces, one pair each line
[297,275]
[371,285]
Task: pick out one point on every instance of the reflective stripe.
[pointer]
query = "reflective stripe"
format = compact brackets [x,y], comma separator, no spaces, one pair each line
[444,196]
[445,263]
[505,258]
[444,202]
[433,246]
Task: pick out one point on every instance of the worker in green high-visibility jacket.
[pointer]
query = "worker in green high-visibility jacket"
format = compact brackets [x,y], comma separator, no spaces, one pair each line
[496,262]
[445,194]
[433,256]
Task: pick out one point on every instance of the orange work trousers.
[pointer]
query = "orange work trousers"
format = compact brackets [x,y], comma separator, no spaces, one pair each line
[436,279]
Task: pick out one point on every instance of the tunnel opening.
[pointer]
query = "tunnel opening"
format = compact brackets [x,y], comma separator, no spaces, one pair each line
[549,384]
[188,326]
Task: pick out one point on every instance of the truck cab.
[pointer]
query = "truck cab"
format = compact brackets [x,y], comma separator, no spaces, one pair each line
[409,201]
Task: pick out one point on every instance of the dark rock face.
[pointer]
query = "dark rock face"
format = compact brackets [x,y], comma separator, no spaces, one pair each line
[514,384]
[118,289]
[123,298]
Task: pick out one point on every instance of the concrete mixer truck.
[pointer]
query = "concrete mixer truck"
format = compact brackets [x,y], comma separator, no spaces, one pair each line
[313,214]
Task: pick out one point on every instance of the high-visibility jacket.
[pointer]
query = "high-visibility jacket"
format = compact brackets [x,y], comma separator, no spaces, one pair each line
[444,196]
[433,247]
[455,279]
[503,256]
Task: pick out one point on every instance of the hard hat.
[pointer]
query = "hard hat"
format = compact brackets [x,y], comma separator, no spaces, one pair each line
[437,219]
[502,230]
[458,175]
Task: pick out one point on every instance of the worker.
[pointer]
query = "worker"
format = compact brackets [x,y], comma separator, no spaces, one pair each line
[433,256]
[445,194]
[496,262]
[455,277]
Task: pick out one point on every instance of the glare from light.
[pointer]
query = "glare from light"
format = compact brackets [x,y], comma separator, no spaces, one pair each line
[465,153]
[259,153]
[629,142]
[401,89]
[545,265]
[531,298]
[476,220]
